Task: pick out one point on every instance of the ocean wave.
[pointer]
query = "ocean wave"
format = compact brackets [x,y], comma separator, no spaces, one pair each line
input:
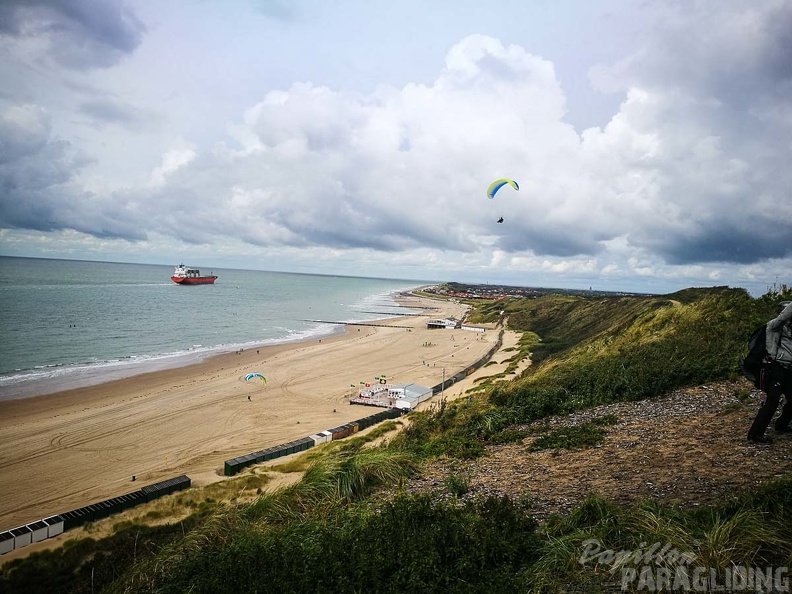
[44,379]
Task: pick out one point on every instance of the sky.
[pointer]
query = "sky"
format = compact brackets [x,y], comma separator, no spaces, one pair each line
[651,140]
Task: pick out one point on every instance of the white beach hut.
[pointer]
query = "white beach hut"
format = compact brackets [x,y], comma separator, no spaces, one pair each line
[38,531]
[22,536]
[54,525]
[6,542]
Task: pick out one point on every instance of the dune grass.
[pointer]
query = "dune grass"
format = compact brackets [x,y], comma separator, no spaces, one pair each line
[591,351]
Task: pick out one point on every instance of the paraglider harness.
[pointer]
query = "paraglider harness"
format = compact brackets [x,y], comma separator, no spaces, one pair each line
[752,365]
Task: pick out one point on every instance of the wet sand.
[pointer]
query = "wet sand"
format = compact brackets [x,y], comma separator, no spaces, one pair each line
[66,450]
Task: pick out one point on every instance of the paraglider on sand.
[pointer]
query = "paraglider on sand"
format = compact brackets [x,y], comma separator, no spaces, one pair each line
[251,376]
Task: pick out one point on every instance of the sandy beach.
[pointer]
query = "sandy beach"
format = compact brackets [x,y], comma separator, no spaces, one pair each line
[66,450]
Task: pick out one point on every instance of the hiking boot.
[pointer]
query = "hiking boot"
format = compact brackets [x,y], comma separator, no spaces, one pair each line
[786,429]
[760,440]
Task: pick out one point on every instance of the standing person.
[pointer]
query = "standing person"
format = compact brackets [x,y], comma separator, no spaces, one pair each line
[776,377]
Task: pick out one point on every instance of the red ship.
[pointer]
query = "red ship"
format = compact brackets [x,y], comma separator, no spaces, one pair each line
[191,276]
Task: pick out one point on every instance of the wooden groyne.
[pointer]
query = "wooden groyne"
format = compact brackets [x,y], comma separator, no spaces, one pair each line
[358,324]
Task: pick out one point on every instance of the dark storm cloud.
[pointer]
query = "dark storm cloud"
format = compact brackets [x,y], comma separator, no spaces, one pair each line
[33,187]
[25,131]
[37,189]
[563,242]
[717,78]
[732,51]
[82,33]
[762,240]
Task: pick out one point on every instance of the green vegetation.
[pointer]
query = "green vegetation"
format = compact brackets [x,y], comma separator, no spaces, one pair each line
[457,484]
[592,351]
[752,530]
[585,435]
[409,544]
[336,529]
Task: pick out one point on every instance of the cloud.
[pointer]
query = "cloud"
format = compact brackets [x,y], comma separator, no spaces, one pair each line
[172,161]
[24,130]
[113,111]
[689,177]
[276,9]
[38,182]
[31,164]
[78,34]
[712,91]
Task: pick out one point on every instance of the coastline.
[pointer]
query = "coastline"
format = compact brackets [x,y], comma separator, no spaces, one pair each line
[64,450]
[57,342]
[88,376]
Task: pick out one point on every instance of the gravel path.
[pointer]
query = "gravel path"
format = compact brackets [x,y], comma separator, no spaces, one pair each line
[688,448]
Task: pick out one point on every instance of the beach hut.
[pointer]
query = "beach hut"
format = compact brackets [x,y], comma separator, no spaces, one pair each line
[231,467]
[6,542]
[112,506]
[364,423]
[88,514]
[339,432]
[102,510]
[181,482]
[304,443]
[23,536]
[71,519]
[317,439]
[152,492]
[126,501]
[54,525]
[38,531]
[279,451]
[135,498]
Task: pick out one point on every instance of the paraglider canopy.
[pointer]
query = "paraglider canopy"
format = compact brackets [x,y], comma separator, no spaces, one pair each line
[250,376]
[498,184]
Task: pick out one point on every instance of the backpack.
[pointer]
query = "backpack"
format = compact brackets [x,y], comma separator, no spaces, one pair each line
[751,365]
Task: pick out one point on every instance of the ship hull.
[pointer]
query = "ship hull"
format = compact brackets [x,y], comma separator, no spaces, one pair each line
[197,280]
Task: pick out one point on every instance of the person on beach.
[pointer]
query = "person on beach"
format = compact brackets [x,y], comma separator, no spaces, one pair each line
[777,377]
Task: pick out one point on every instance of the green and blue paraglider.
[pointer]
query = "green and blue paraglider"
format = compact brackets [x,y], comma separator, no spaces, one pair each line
[251,376]
[497,185]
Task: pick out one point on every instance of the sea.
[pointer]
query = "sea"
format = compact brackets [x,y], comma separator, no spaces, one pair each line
[70,324]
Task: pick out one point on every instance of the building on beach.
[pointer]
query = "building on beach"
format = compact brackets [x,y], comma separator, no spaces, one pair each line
[408,396]
[401,396]
[443,323]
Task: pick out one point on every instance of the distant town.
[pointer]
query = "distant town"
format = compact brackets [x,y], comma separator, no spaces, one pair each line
[466,291]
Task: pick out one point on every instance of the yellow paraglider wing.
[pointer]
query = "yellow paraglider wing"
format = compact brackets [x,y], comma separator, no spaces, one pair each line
[498,184]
